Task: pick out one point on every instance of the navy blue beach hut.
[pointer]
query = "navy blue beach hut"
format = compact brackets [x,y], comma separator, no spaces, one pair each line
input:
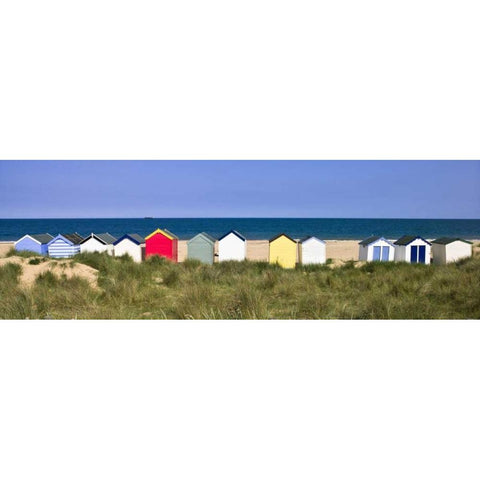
[64,246]
[34,243]
[412,249]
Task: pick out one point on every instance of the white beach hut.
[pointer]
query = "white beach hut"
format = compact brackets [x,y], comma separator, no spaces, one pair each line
[374,249]
[130,244]
[447,249]
[412,249]
[98,242]
[311,250]
[232,246]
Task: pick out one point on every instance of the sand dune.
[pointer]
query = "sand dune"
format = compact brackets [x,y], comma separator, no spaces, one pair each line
[57,267]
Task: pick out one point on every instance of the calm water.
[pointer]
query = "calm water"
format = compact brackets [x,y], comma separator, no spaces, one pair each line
[252,228]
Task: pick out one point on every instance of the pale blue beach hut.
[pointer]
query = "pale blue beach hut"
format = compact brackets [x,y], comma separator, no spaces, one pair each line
[34,243]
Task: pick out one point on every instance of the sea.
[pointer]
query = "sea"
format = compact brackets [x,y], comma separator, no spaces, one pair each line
[251,228]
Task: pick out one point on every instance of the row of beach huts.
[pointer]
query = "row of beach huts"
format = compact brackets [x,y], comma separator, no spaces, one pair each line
[283,249]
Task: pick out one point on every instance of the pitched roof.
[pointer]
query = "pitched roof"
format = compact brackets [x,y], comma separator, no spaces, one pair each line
[208,237]
[170,233]
[239,235]
[134,237]
[104,238]
[304,239]
[75,238]
[163,232]
[408,239]
[370,240]
[42,237]
[282,235]
[447,240]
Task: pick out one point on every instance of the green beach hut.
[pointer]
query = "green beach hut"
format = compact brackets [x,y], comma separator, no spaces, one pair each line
[201,247]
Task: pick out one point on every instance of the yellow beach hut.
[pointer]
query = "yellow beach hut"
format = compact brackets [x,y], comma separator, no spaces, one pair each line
[283,250]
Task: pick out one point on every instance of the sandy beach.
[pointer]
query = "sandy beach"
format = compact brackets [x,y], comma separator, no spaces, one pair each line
[5,247]
[257,250]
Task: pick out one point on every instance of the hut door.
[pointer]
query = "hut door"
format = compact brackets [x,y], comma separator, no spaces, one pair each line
[376,253]
[421,254]
[414,254]
[385,253]
[417,254]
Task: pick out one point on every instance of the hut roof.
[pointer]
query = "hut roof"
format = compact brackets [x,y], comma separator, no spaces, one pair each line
[281,235]
[370,240]
[207,237]
[104,238]
[408,239]
[163,232]
[134,237]
[42,237]
[304,239]
[447,240]
[75,238]
[168,232]
[239,235]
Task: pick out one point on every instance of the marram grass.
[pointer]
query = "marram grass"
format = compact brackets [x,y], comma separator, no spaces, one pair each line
[254,290]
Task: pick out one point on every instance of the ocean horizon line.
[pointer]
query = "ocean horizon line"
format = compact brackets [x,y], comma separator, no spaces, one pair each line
[233,218]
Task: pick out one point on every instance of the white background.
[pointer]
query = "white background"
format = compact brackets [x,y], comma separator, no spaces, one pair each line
[239,400]
[210,79]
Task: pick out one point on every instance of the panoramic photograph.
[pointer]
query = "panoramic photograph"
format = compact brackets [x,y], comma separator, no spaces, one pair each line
[239,239]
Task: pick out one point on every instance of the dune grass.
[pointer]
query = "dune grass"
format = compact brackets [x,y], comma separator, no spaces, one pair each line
[157,288]
[22,253]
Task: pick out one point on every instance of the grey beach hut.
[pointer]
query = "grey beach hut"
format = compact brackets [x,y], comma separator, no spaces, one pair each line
[201,247]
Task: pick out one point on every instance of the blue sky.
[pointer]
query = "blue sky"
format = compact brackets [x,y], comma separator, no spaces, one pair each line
[371,189]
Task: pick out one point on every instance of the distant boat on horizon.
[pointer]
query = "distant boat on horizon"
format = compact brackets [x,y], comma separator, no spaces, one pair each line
[147,217]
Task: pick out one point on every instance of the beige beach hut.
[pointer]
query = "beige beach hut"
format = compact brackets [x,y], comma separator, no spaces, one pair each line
[311,251]
[448,249]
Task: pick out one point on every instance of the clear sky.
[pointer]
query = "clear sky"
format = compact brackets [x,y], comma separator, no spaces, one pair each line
[349,189]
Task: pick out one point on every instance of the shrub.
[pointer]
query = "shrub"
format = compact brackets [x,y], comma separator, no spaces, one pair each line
[161,289]
[171,277]
[9,275]
[22,253]
[47,279]
[192,264]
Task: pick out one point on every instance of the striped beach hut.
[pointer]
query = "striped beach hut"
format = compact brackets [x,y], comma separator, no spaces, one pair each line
[162,243]
[412,249]
[374,249]
[449,249]
[130,244]
[311,251]
[34,243]
[232,246]
[201,247]
[283,250]
[65,245]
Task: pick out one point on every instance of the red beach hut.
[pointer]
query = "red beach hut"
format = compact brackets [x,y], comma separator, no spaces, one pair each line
[163,243]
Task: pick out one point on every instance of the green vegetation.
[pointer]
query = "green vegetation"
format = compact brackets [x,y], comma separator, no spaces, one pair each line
[160,289]
[22,253]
